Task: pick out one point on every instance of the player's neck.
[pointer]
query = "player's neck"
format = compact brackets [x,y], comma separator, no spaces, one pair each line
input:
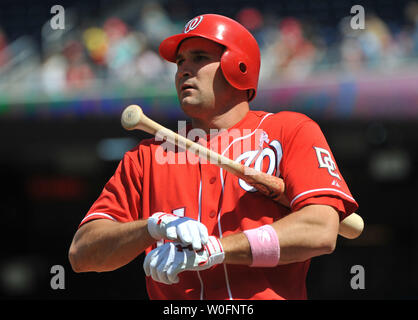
[224,120]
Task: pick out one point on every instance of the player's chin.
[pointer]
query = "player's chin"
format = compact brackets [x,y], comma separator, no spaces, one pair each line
[190,105]
[190,109]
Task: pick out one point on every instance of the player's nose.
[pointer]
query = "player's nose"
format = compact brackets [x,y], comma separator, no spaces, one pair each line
[185,70]
[181,78]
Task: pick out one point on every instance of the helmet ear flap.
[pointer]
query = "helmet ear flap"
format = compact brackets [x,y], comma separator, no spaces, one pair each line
[235,69]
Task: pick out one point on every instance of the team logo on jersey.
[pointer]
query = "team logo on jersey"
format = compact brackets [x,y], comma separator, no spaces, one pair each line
[325,161]
[255,158]
[264,137]
[192,24]
[335,183]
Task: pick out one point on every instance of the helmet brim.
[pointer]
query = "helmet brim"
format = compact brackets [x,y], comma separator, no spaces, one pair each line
[169,47]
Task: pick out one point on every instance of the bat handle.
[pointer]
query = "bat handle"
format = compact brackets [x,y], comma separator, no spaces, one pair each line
[351,227]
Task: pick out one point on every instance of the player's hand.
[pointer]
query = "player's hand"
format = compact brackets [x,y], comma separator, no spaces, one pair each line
[163,225]
[164,263]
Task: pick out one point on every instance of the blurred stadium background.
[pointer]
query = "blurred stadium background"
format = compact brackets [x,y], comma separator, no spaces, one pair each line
[62,92]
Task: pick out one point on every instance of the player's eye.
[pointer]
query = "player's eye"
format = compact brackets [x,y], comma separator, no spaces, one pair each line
[200,58]
[179,62]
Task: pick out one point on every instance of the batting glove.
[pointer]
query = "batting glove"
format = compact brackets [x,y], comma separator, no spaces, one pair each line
[163,225]
[164,263]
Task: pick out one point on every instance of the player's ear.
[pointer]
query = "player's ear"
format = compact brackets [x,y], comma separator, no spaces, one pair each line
[250,94]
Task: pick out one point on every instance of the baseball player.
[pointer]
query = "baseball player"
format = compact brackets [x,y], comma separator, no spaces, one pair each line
[206,233]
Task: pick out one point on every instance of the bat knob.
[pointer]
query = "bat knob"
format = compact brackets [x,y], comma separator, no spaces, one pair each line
[131,116]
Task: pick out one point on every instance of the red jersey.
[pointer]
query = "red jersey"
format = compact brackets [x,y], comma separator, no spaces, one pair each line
[155,176]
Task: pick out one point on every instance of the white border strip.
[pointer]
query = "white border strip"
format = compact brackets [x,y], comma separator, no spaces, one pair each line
[322,189]
[98,214]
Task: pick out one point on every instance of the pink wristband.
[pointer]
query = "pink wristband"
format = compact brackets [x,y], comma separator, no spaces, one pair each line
[265,247]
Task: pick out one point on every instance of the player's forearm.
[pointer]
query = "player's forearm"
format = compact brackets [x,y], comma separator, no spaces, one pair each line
[310,232]
[237,249]
[307,233]
[104,245]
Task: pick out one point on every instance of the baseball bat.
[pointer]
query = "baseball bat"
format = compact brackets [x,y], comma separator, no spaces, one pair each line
[273,187]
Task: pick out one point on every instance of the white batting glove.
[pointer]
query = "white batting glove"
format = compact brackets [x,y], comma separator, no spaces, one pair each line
[164,263]
[163,225]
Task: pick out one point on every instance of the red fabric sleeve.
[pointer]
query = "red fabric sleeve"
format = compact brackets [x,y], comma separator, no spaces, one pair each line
[120,198]
[310,171]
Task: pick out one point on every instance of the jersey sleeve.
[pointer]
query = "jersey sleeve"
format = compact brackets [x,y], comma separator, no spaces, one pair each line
[120,197]
[310,171]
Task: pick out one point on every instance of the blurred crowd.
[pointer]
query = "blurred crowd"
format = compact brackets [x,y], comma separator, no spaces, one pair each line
[122,48]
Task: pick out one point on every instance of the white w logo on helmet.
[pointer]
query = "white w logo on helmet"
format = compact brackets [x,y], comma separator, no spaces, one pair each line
[192,24]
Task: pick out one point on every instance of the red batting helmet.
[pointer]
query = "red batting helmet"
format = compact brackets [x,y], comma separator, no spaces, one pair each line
[240,61]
